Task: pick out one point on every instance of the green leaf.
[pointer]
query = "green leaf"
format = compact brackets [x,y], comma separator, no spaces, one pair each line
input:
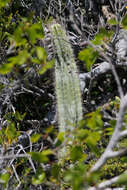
[4,178]
[41,157]
[76,154]
[93,138]
[11,132]
[82,134]
[94,120]
[75,176]
[112,21]
[122,179]
[109,130]
[60,138]
[35,137]
[20,59]
[3,3]
[39,177]
[6,68]
[19,117]
[102,36]
[41,53]
[18,36]
[56,171]
[35,31]
[49,129]
[46,66]
[124,22]
[93,178]
[89,56]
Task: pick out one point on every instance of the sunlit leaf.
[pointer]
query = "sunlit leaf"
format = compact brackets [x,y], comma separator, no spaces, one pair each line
[56,171]
[46,66]
[35,31]
[39,177]
[19,116]
[20,59]
[41,157]
[41,53]
[112,21]
[89,56]
[6,68]
[4,178]
[75,176]
[60,138]
[94,120]
[82,134]
[35,137]
[11,132]
[122,179]
[102,36]
[76,153]
[18,36]
[124,22]
[3,3]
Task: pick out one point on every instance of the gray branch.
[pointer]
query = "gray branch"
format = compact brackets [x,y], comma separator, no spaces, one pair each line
[108,153]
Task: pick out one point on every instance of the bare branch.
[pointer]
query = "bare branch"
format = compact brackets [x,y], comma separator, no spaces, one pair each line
[103,68]
[123,133]
[115,154]
[114,139]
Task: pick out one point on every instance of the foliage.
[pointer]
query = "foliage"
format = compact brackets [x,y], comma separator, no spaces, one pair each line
[31,142]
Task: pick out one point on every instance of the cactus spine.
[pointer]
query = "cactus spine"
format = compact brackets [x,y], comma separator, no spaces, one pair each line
[67,84]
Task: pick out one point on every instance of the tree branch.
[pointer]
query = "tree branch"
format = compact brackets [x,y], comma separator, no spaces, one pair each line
[114,139]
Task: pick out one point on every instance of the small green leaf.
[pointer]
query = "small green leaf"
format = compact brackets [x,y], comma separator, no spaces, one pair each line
[75,176]
[35,137]
[94,120]
[41,157]
[77,154]
[41,53]
[47,152]
[20,59]
[11,132]
[60,138]
[4,178]
[102,36]
[19,116]
[18,36]
[122,179]
[3,3]
[46,66]
[124,22]
[56,171]
[39,177]
[6,68]
[89,56]
[92,140]
[35,31]
[109,131]
[49,129]
[112,21]
[82,134]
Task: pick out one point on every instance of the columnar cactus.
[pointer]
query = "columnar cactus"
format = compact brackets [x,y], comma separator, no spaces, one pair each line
[67,84]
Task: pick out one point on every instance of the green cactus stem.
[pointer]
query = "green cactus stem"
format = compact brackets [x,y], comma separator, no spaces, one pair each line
[67,84]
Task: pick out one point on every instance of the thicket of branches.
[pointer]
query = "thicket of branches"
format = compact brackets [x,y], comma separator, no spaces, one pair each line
[30,139]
